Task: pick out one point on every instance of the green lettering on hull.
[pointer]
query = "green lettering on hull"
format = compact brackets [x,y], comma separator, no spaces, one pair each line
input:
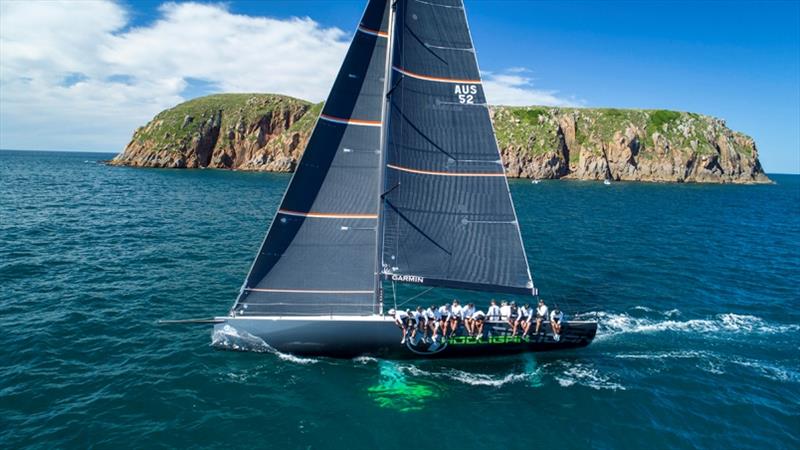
[469,340]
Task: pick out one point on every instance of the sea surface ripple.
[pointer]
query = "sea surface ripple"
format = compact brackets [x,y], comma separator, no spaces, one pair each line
[695,287]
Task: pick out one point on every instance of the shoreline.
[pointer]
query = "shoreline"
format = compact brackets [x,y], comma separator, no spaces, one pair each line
[568,177]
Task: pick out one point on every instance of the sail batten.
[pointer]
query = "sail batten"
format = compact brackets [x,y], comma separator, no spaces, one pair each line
[420,76]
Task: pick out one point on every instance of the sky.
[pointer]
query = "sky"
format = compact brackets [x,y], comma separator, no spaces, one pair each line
[83,75]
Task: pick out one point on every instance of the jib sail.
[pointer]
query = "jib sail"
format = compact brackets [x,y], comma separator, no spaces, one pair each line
[319,254]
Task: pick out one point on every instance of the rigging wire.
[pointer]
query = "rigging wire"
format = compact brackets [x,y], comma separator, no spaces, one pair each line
[412,298]
[394,294]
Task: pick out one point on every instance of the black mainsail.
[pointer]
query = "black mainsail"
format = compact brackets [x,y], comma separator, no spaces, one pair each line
[319,254]
[448,218]
[401,180]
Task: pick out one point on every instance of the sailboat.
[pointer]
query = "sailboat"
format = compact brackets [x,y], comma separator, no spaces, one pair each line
[401,182]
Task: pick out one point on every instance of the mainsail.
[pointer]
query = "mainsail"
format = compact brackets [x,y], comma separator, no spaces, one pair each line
[448,218]
[319,254]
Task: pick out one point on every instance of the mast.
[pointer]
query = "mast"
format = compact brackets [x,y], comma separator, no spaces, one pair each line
[387,77]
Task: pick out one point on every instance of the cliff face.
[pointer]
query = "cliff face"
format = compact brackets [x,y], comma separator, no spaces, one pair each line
[230,131]
[269,133]
[633,145]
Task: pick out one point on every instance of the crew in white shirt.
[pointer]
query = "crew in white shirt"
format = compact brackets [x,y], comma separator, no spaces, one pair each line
[523,317]
[466,317]
[401,320]
[455,316]
[493,314]
[541,314]
[430,322]
[505,311]
[477,323]
[444,312]
[556,319]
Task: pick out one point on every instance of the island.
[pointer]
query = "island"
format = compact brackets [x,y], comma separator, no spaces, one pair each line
[268,132]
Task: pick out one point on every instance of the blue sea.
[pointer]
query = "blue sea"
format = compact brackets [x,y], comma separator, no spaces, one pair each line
[696,288]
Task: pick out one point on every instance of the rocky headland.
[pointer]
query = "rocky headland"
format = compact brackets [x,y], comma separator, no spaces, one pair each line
[268,132]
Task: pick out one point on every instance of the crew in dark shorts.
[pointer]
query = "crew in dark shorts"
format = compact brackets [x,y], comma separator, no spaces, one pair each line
[512,317]
[422,322]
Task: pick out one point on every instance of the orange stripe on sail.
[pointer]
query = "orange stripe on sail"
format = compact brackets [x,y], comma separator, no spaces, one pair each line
[368,123]
[431,78]
[308,291]
[445,174]
[320,215]
[378,33]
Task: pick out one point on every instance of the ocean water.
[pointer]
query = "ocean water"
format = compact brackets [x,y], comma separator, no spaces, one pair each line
[695,286]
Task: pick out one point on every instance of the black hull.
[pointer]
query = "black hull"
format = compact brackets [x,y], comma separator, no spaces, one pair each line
[380,337]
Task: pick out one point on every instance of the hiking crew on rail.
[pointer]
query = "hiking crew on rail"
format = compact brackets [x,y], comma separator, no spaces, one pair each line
[437,324]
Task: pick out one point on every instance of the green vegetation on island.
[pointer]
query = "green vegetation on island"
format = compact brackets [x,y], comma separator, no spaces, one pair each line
[268,132]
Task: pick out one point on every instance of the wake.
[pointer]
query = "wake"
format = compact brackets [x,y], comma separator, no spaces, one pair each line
[613,324]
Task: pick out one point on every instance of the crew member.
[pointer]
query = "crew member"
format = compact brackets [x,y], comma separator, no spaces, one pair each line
[541,314]
[505,311]
[513,314]
[493,314]
[526,324]
[523,316]
[466,317]
[430,322]
[401,320]
[455,317]
[419,323]
[556,320]
[478,318]
[444,312]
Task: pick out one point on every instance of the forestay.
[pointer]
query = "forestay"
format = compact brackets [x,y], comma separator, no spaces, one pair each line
[319,254]
[448,216]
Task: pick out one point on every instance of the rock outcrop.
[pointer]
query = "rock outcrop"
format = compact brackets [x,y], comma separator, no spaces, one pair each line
[269,132]
[226,131]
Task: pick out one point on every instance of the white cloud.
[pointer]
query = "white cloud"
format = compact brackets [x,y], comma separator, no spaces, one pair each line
[514,87]
[80,77]
[75,78]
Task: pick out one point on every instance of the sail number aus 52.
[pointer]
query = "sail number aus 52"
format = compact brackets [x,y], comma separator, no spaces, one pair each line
[466,93]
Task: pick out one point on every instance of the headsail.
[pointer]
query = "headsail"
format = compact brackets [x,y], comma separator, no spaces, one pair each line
[319,254]
[448,218]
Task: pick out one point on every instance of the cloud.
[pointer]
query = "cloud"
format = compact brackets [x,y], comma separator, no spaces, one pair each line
[85,77]
[514,87]
[77,78]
